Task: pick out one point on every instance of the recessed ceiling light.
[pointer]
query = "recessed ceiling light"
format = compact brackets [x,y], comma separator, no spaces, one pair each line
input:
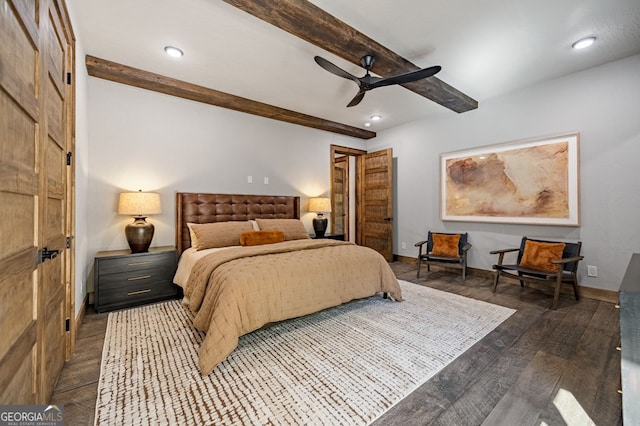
[367,124]
[376,117]
[584,42]
[173,51]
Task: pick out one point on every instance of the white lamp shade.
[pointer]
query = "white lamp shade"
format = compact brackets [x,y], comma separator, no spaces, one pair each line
[139,204]
[319,205]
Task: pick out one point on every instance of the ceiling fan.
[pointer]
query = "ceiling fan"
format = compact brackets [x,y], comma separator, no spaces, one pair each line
[367,82]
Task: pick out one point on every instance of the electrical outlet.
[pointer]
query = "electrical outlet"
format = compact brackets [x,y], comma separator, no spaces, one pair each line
[592,271]
[249,179]
[266,181]
[404,246]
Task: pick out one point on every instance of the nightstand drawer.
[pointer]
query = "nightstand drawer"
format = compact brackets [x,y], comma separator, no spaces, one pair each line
[133,264]
[151,276]
[132,294]
[339,237]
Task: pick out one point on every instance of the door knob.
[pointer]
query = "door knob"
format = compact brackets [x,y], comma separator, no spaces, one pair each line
[46,254]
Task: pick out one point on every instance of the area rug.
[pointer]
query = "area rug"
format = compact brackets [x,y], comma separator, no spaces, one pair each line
[346,365]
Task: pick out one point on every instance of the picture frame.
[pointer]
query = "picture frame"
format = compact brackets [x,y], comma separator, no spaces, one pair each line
[534,181]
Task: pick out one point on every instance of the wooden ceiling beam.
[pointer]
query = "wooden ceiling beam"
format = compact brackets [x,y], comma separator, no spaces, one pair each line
[124,74]
[308,22]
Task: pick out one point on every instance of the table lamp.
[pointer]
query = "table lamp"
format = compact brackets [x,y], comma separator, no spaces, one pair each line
[139,205]
[320,205]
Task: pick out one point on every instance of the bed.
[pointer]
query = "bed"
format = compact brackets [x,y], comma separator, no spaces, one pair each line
[276,273]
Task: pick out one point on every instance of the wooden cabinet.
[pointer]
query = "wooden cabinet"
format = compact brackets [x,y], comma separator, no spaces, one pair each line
[37,193]
[123,279]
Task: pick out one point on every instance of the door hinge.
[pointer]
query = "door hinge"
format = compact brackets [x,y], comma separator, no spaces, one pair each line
[67,325]
[68,242]
[68,78]
[69,155]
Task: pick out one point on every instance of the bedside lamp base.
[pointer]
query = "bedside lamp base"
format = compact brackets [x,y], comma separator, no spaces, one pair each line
[320,225]
[139,235]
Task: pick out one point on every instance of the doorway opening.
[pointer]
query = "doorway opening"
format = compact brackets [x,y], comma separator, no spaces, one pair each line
[361,197]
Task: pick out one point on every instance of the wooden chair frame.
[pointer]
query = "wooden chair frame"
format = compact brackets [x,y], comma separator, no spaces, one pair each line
[454,262]
[567,269]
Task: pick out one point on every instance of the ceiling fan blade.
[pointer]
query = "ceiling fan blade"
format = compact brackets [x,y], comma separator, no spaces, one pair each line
[333,69]
[408,77]
[356,100]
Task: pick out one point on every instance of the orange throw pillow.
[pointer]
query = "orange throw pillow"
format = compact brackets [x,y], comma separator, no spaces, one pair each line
[255,238]
[445,245]
[538,255]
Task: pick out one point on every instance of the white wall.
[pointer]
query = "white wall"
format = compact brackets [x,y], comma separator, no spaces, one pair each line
[602,103]
[154,142]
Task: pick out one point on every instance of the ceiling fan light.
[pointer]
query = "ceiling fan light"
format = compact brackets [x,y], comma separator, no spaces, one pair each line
[583,42]
[367,124]
[375,117]
[173,51]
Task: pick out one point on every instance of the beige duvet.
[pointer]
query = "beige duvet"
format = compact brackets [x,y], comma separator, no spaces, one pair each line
[238,290]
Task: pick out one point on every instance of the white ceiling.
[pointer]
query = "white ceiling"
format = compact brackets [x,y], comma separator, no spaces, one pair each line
[485,47]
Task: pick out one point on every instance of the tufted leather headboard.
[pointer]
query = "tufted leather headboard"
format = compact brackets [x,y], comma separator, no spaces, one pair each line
[207,208]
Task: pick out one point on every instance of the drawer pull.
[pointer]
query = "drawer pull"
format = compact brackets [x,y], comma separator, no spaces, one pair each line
[141,277]
[139,263]
[133,293]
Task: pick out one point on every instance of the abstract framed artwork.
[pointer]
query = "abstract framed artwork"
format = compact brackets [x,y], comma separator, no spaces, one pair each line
[533,181]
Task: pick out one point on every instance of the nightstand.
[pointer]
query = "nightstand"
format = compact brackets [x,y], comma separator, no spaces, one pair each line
[123,279]
[330,236]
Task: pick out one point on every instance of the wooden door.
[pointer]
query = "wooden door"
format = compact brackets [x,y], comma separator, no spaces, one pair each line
[375,201]
[36,130]
[340,197]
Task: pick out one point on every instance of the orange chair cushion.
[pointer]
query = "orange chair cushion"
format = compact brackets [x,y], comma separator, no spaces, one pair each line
[539,255]
[255,238]
[445,245]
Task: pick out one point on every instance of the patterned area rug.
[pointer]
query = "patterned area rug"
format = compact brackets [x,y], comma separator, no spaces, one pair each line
[346,365]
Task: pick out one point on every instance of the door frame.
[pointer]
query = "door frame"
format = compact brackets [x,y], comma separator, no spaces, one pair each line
[349,152]
[343,162]
[70,211]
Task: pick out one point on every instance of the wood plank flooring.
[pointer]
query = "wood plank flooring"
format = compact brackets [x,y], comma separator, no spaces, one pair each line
[538,367]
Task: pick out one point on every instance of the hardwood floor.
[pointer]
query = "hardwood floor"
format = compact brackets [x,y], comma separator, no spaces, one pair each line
[538,367]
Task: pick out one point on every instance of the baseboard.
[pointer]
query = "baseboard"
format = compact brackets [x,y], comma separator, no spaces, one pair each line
[73,332]
[599,294]
[586,292]
[404,259]
[80,316]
